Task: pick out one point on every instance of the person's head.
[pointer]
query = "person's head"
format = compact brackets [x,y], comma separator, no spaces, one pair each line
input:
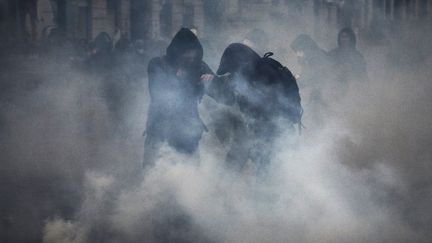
[185,50]
[346,39]
[236,58]
[304,46]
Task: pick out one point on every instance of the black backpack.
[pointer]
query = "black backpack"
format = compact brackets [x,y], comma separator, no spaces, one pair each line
[277,74]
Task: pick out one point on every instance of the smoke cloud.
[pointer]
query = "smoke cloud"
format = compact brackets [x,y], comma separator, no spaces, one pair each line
[71,173]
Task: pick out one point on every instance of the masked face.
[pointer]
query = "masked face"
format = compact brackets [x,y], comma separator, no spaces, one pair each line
[189,59]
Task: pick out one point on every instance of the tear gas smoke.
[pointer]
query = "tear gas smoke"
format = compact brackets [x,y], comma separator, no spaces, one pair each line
[360,172]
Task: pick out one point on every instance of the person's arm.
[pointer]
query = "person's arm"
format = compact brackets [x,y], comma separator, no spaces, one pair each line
[217,87]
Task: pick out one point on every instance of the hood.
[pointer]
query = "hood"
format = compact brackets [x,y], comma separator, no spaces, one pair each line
[183,41]
[237,57]
[351,35]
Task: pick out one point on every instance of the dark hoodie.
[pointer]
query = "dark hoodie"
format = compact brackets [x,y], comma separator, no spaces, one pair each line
[238,58]
[349,62]
[101,59]
[184,41]
[260,87]
[315,63]
[259,92]
[175,89]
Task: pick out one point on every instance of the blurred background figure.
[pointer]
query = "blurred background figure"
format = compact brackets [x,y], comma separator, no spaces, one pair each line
[266,93]
[350,64]
[176,87]
[100,58]
[315,75]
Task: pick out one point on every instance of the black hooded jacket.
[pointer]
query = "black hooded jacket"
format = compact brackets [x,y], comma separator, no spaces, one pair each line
[315,63]
[259,88]
[238,58]
[175,90]
[349,62]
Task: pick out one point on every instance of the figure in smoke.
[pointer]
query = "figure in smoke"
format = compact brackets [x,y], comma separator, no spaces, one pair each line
[267,95]
[315,74]
[313,61]
[100,58]
[349,62]
[176,85]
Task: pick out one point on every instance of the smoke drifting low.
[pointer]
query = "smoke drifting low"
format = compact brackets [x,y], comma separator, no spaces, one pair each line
[71,174]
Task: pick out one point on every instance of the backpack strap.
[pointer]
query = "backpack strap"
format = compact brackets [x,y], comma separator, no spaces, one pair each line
[268,54]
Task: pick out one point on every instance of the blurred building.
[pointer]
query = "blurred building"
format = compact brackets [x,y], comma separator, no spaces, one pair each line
[76,19]
[160,19]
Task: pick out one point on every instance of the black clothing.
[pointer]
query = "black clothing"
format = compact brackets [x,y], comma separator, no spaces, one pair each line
[175,89]
[261,85]
[101,59]
[349,62]
[260,92]
[173,112]
[315,64]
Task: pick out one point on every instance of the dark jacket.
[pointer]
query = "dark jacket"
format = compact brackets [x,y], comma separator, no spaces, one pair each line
[173,112]
[258,85]
[349,62]
[315,64]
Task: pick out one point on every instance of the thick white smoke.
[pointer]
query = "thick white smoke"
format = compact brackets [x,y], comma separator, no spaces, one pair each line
[361,174]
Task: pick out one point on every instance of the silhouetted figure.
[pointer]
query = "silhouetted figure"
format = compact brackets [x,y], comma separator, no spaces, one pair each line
[315,77]
[100,59]
[349,62]
[176,86]
[266,93]
[315,64]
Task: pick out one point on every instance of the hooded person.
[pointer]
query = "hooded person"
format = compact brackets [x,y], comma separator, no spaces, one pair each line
[259,92]
[313,60]
[100,59]
[316,76]
[176,86]
[349,62]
